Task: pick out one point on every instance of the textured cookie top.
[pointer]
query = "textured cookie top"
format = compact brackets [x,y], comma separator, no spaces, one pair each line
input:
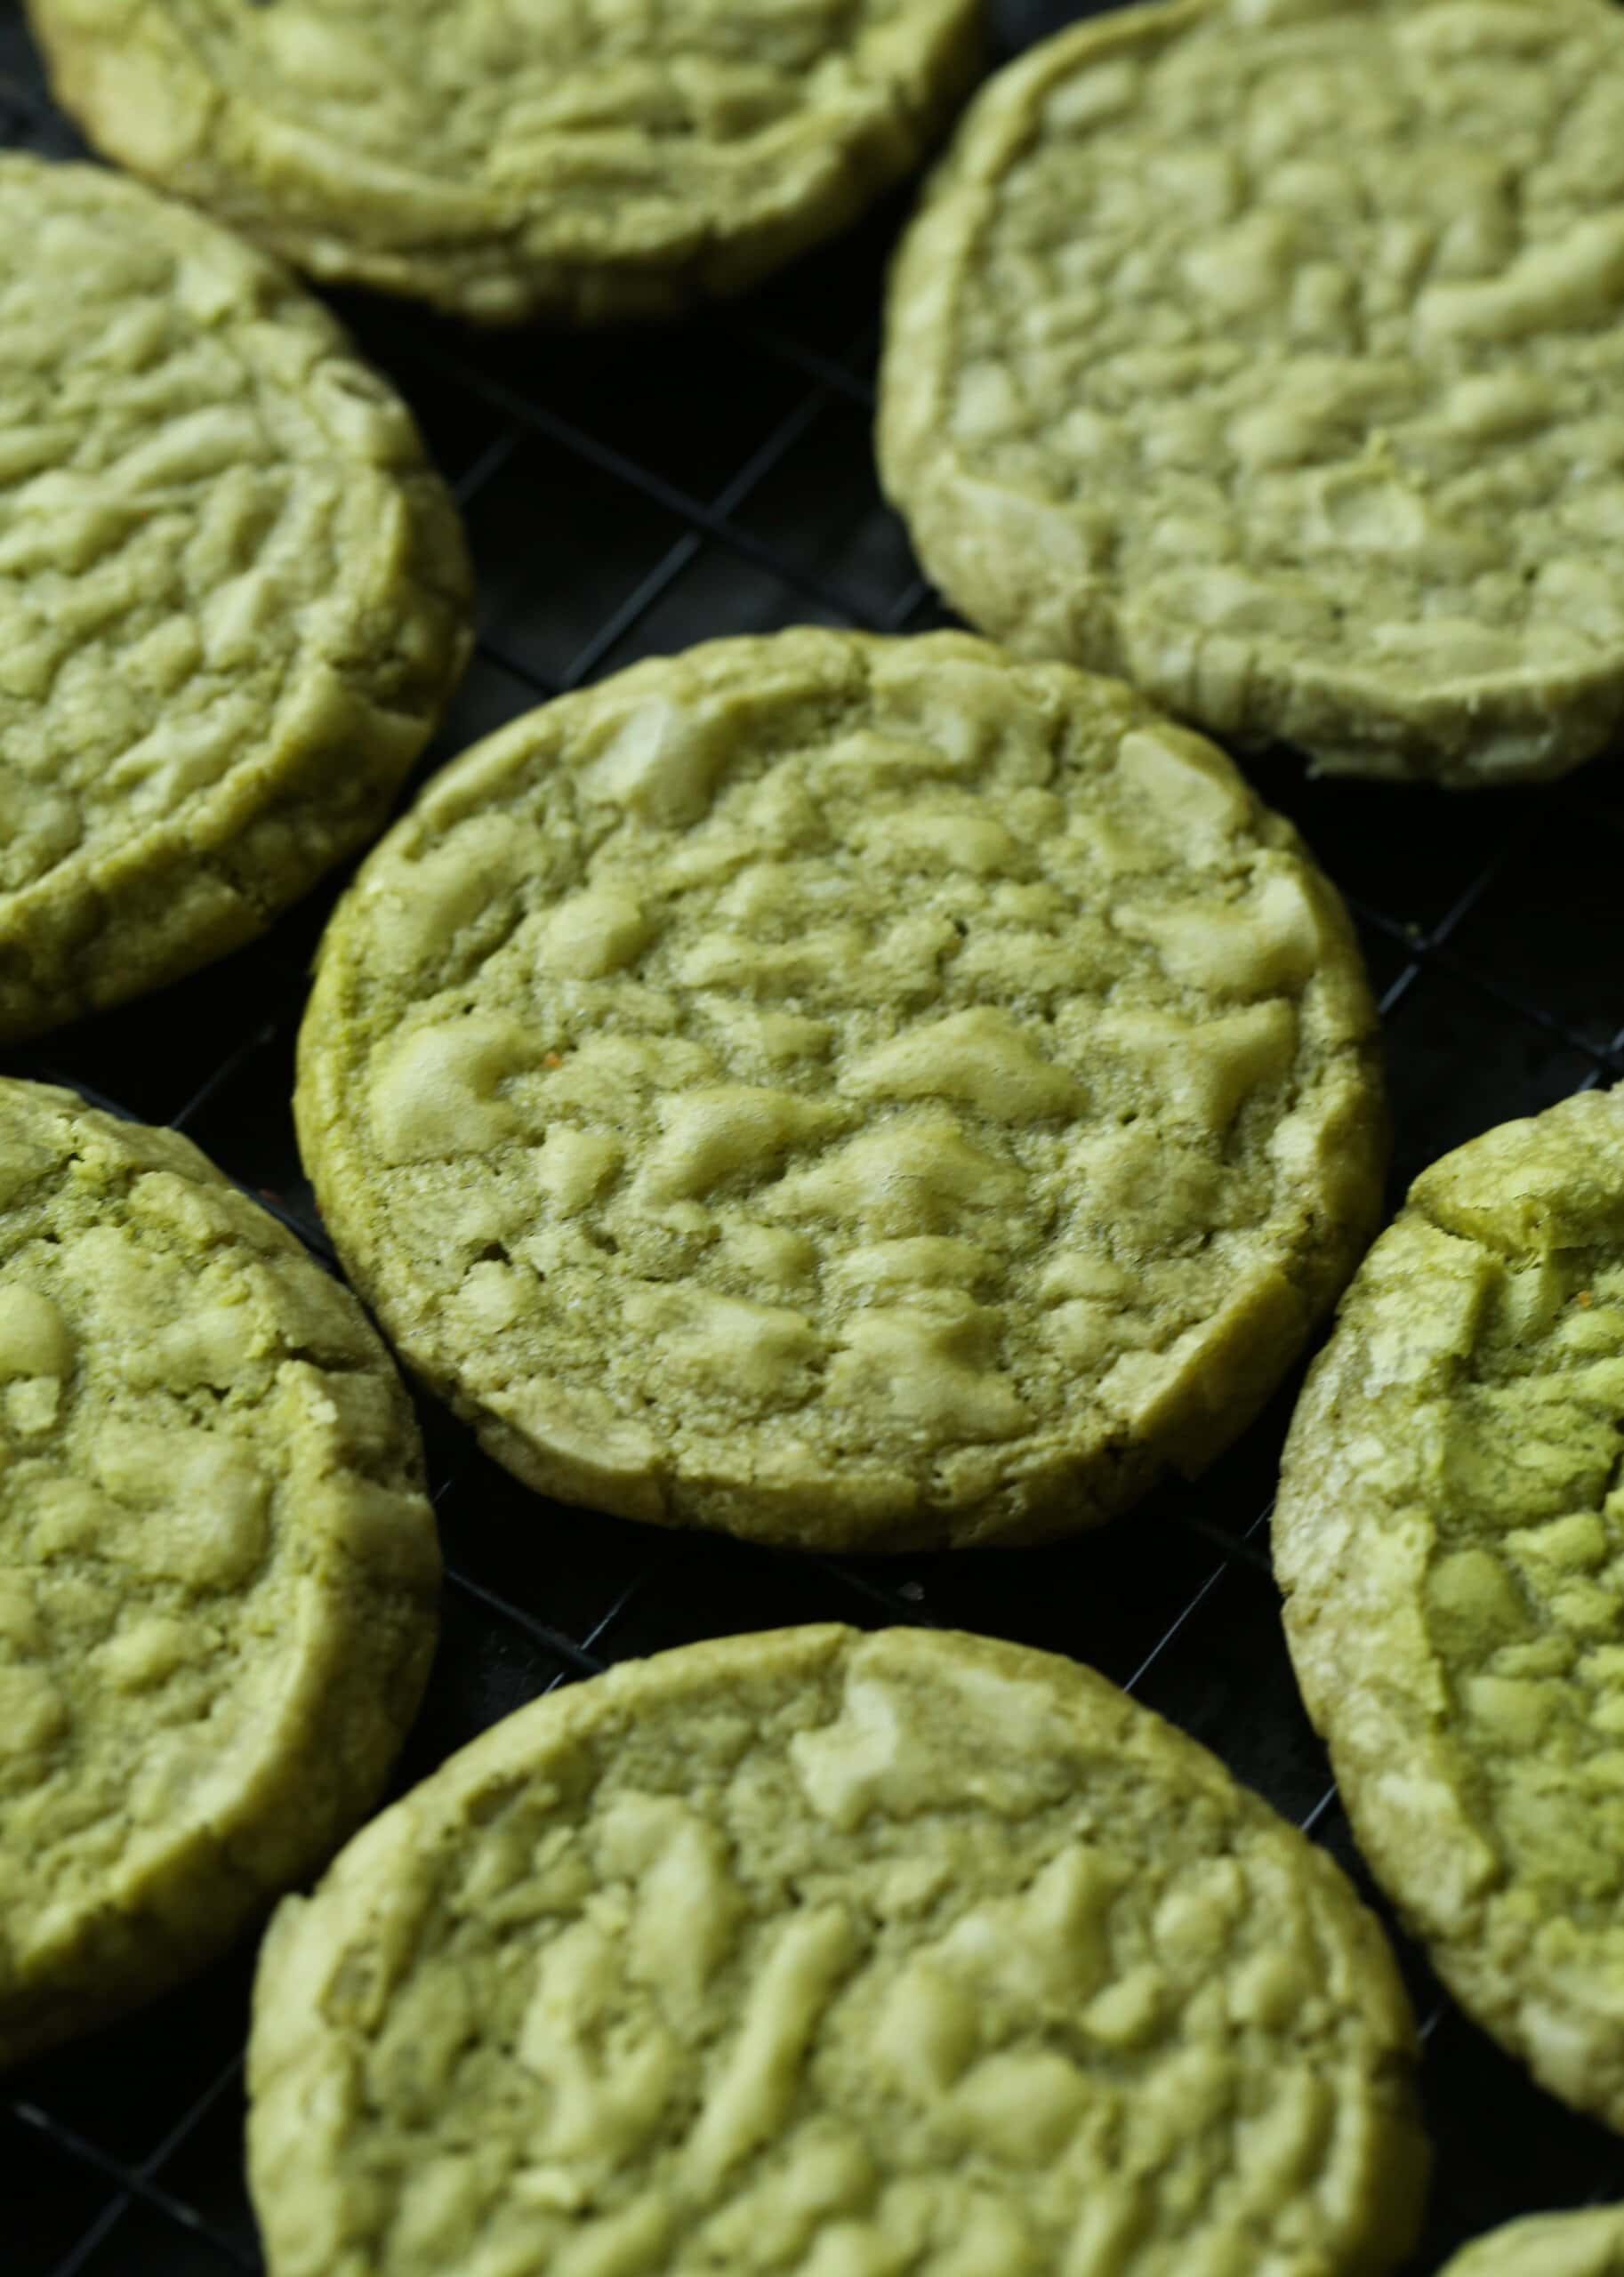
[1270,351]
[231,591]
[1590,2244]
[812,1952]
[844,1089]
[217,1567]
[1450,1532]
[597,159]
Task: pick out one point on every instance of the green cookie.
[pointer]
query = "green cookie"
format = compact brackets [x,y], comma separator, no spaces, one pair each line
[814,1952]
[588,159]
[217,1567]
[233,593]
[1449,1534]
[845,1091]
[1269,352]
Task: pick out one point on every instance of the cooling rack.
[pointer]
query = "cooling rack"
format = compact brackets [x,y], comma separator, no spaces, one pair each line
[624,498]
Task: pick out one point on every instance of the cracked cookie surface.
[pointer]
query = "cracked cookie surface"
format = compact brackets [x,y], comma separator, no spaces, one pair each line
[913,1954]
[585,158]
[233,592]
[844,1090]
[1590,2244]
[218,1570]
[1450,1533]
[1269,352]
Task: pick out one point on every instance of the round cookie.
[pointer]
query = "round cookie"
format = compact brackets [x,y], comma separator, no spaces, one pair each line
[233,592]
[1449,1534]
[818,1952]
[622,159]
[1590,2244]
[1268,352]
[218,1570]
[846,1091]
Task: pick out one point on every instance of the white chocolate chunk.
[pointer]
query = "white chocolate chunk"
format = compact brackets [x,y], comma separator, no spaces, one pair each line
[593,933]
[759,2073]
[914,1175]
[1577,281]
[1173,776]
[717,1341]
[927,1366]
[720,1131]
[439,1093]
[1264,947]
[981,1057]
[659,761]
[574,1166]
[35,1339]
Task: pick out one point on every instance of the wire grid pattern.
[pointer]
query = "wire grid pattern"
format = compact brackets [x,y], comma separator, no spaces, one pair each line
[625,497]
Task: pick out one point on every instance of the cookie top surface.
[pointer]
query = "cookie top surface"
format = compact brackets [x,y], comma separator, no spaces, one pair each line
[1451,1535]
[217,1567]
[815,1951]
[1590,2244]
[232,591]
[1269,352]
[621,157]
[845,1090]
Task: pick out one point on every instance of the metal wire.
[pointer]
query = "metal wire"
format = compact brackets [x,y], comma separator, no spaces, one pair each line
[111,2157]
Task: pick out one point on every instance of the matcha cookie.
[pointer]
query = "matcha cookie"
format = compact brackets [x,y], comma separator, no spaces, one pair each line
[844,1090]
[821,1953]
[1549,2245]
[1449,1534]
[233,593]
[217,1567]
[626,158]
[1270,353]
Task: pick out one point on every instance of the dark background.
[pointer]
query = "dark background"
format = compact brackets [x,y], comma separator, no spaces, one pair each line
[626,496]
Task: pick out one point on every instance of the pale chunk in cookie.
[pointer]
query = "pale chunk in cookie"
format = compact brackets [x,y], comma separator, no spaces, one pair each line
[817,1953]
[1270,353]
[844,1090]
[217,1567]
[233,592]
[583,158]
[1449,1534]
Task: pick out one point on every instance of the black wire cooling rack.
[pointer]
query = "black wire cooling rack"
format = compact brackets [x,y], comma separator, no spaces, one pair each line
[627,496]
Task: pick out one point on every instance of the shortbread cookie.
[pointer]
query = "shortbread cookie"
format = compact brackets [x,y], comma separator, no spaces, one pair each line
[1270,353]
[217,1567]
[233,593]
[626,158]
[1451,1536]
[812,1953]
[844,1090]
[1590,2244]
